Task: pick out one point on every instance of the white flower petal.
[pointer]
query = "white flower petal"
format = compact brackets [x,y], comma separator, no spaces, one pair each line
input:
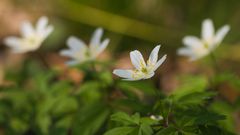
[184,51]
[42,23]
[127,74]
[96,38]
[192,41]
[12,41]
[150,75]
[159,63]
[188,52]
[75,43]
[207,29]
[27,29]
[154,55]
[48,31]
[221,33]
[67,53]
[31,38]
[137,59]
[194,58]
[103,46]
[19,50]
[132,79]
[72,62]
[42,28]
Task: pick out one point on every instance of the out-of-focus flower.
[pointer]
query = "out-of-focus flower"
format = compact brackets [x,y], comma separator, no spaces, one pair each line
[156,117]
[143,70]
[80,52]
[197,48]
[31,38]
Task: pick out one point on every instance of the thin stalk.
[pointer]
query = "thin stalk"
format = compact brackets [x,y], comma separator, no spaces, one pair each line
[214,62]
[169,111]
[42,59]
[216,71]
[93,67]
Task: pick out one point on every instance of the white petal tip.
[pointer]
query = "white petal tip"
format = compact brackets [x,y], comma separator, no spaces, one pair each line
[114,71]
[99,29]
[43,18]
[164,57]
[158,47]
[70,39]
[207,20]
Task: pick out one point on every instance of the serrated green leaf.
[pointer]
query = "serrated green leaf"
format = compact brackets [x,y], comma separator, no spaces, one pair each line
[125,119]
[120,131]
[195,98]
[43,122]
[190,84]
[18,125]
[168,131]
[90,119]
[145,129]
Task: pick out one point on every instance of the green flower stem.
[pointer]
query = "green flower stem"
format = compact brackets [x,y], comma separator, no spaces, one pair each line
[216,71]
[38,56]
[169,112]
[214,63]
[93,66]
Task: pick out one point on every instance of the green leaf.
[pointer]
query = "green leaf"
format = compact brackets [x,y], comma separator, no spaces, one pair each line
[202,116]
[138,87]
[225,109]
[90,118]
[18,125]
[195,98]
[65,105]
[148,121]
[164,107]
[106,77]
[168,131]
[208,118]
[89,92]
[133,105]
[145,129]
[120,131]
[125,119]
[43,122]
[190,84]
[65,122]
[210,130]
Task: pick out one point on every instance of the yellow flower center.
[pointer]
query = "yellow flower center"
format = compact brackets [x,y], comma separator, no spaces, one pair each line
[206,46]
[87,53]
[144,70]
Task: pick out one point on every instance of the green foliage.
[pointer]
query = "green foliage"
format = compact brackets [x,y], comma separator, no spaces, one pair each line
[130,125]
[47,105]
[90,118]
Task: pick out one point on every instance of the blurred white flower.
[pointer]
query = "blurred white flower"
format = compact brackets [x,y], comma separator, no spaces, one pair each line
[143,70]
[80,52]
[156,117]
[31,38]
[197,48]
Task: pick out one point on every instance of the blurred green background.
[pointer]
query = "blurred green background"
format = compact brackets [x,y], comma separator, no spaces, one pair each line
[130,24]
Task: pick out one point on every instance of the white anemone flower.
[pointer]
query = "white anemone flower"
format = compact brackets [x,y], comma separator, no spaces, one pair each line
[156,117]
[197,48]
[80,52]
[143,70]
[31,37]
